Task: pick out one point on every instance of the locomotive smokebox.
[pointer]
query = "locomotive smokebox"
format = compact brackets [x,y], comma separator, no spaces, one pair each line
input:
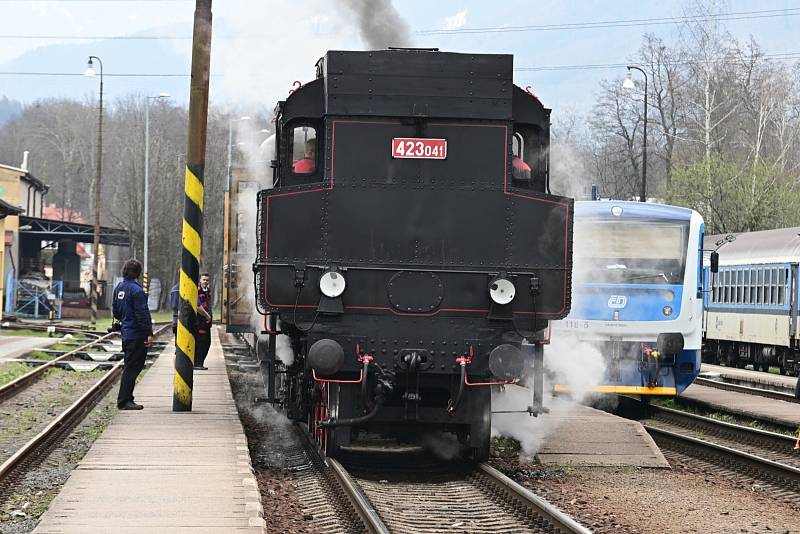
[505,362]
[326,356]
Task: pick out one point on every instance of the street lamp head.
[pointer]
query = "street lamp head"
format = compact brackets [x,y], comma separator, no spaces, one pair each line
[164,95]
[89,73]
[628,83]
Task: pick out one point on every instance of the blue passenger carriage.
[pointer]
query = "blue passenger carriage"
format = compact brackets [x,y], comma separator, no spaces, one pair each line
[751,315]
[637,294]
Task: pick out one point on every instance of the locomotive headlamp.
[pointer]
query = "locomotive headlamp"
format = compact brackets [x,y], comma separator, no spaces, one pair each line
[332,284]
[616,211]
[667,310]
[502,291]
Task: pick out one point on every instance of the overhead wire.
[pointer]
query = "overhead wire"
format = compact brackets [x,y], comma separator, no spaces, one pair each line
[734,15]
[738,15]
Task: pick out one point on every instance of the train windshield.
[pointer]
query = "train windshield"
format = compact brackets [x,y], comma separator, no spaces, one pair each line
[630,252]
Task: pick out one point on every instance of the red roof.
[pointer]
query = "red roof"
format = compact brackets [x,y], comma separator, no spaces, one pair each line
[55,213]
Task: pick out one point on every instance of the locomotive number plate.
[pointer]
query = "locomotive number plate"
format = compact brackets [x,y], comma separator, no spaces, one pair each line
[417,148]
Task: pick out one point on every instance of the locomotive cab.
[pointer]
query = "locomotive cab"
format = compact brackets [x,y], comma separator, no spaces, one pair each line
[410,248]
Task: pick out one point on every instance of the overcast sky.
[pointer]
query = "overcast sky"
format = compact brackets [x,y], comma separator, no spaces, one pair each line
[260,47]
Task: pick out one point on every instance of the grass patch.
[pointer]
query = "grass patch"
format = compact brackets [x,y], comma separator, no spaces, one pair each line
[23,332]
[11,371]
[505,446]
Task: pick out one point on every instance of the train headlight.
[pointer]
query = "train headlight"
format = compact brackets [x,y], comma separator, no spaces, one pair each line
[502,290]
[332,284]
[667,310]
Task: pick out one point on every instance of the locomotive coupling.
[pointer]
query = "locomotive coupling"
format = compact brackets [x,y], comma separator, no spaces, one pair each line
[326,356]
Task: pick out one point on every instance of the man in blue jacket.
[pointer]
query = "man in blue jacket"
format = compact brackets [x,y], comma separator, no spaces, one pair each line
[130,310]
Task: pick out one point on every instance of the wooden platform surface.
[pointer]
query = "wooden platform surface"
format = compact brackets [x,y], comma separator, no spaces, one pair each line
[157,471]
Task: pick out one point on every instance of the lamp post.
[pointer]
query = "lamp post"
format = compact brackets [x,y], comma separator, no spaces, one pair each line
[628,84]
[147,180]
[229,219]
[96,240]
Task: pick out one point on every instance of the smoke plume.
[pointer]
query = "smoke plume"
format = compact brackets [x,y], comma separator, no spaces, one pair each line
[568,362]
[379,23]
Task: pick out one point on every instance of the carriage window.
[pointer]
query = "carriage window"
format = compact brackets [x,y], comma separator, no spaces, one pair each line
[726,286]
[304,150]
[759,286]
[774,285]
[739,280]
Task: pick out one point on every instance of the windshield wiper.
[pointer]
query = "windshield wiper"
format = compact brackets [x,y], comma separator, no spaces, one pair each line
[638,277]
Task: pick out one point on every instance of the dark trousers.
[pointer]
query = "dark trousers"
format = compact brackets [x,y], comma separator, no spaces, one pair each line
[135,354]
[201,349]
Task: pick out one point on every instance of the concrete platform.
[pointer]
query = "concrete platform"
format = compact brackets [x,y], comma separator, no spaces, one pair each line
[156,471]
[759,378]
[13,346]
[585,436]
[776,411]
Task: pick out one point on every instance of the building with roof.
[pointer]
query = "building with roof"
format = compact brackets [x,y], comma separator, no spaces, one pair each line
[29,289]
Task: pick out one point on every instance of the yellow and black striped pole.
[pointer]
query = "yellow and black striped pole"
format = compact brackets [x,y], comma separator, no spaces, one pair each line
[191,237]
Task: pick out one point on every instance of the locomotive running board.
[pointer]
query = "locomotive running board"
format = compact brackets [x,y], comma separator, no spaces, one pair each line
[623,390]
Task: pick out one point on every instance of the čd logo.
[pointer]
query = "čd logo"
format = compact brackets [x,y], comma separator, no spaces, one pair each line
[617,301]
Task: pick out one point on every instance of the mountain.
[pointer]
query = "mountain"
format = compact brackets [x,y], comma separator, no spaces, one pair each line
[118,56]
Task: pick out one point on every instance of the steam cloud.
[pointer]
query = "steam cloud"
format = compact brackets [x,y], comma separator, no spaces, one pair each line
[379,23]
[568,362]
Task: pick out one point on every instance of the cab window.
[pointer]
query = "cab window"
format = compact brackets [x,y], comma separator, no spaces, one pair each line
[304,153]
[529,157]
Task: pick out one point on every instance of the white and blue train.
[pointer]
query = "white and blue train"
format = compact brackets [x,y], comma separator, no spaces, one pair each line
[637,294]
[751,308]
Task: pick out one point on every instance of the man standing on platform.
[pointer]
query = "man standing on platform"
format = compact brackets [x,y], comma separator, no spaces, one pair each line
[136,326]
[203,322]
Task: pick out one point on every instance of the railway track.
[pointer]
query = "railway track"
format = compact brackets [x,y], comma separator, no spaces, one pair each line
[745,452]
[9,389]
[38,446]
[409,494]
[56,328]
[761,392]
[400,492]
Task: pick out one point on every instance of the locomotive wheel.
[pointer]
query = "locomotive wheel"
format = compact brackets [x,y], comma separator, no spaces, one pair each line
[326,406]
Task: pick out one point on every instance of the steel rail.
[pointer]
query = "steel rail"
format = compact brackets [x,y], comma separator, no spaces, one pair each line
[58,329]
[368,515]
[777,395]
[716,423]
[372,520]
[12,387]
[770,467]
[556,517]
[79,408]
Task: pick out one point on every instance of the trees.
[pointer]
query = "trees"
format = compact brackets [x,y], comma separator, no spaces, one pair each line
[725,123]
[61,137]
[736,198]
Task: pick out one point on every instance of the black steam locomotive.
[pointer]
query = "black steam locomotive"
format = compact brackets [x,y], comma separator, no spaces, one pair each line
[410,247]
